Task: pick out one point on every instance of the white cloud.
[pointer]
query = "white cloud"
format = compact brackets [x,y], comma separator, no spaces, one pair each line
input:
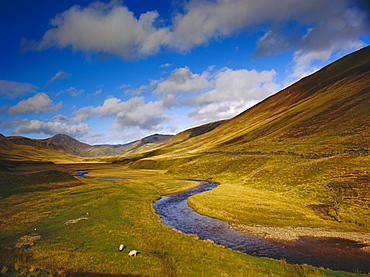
[141,89]
[71,91]
[323,29]
[98,92]
[61,118]
[219,110]
[165,65]
[304,62]
[134,112]
[147,116]
[183,80]
[26,126]
[39,103]
[234,91]
[111,28]
[59,75]
[11,90]
[320,29]
[214,95]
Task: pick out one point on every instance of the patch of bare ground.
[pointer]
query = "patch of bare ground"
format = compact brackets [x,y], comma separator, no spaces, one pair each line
[27,240]
[294,233]
[73,221]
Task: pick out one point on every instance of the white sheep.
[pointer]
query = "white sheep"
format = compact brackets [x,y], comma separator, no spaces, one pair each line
[132,253]
[121,247]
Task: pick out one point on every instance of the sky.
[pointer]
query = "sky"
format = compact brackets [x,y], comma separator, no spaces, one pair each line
[111,72]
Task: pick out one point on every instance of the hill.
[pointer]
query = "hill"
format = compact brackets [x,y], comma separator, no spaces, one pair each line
[326,112]
[307,144]
[76,147]
[63,148]
[17,148]
[193,132]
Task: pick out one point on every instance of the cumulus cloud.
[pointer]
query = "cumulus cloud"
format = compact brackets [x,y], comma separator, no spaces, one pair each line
[11,90]
[109,28]
[39,103]
[183,80]
[214,94]
[59,75]
[234,91]
[61,118]
[26,126]
[113,29]
[219,110]
[322,28]
[134,112]
[150,116]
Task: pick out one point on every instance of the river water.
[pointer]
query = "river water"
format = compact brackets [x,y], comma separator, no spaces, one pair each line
[332,253]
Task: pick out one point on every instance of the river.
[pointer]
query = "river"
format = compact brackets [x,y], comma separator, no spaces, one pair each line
[332,253]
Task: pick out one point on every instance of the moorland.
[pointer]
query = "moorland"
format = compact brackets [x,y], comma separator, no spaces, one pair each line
[296,164]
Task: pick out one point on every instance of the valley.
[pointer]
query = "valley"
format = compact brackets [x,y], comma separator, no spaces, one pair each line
[295,165]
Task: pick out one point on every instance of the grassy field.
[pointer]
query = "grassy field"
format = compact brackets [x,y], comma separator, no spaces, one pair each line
[77,229]
[296,190]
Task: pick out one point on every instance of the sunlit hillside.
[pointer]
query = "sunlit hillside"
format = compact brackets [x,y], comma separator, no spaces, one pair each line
[304,145]
[326,112]
[17,148]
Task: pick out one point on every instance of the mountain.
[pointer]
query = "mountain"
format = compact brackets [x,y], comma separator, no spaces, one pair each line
[76,147]
[17,148]
[68,144]
[148,142]
[63,148]
[326,112]
[194,132]
[287,161]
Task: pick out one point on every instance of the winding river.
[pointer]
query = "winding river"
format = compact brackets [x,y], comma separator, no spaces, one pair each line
[332,253]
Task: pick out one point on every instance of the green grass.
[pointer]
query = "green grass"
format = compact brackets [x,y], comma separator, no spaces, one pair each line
[119,211]
[15,183]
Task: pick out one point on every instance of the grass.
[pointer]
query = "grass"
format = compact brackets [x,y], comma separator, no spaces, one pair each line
[294,188]
[118,211]
[15,183]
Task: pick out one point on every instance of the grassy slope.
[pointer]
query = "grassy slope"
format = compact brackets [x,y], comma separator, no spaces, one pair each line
[16,183]
[119,211]
[327,112]
[25,149]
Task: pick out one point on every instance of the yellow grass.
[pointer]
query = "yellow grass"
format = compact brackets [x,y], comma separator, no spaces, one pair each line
[115,212]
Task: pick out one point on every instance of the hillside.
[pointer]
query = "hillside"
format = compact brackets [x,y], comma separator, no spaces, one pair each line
[16,148]
[288,158]
[326,112]
[147,143]
[193,132]
[63,148]
[76,147]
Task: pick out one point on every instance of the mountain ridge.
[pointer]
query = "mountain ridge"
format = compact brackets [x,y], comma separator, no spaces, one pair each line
[76,147]
[314,110]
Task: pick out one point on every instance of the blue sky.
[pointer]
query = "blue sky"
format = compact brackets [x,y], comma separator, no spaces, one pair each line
[116,71]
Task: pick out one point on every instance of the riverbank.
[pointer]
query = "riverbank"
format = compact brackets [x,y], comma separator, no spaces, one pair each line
[294,233]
